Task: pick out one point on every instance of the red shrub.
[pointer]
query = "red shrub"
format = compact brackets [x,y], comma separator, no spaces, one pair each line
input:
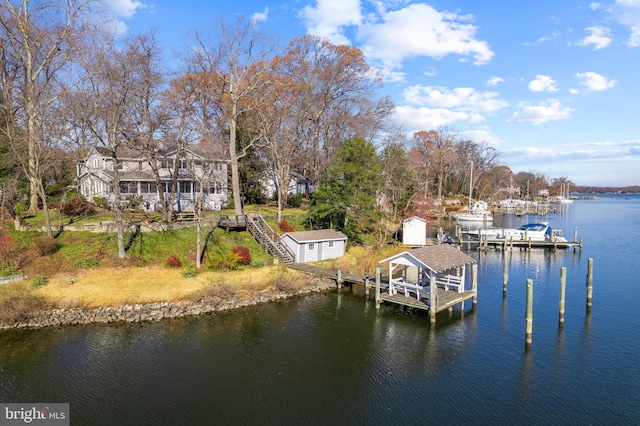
[77,207]
[244,257]
[173,261]
[284,226]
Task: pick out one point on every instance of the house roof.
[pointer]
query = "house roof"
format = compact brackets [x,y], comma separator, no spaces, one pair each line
[413,219]
[317,235]
[438,258]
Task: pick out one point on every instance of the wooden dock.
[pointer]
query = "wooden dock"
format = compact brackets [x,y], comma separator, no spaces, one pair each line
[445,299]
[505,244]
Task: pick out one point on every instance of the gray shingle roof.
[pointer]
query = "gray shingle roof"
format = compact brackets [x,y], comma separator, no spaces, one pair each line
[317,235]
[441,257]
[438,258]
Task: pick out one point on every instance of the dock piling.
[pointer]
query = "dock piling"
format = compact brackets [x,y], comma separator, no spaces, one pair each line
[529,314]
[505,277]
[563,285]
[589,282]
[339,278]
[378,274]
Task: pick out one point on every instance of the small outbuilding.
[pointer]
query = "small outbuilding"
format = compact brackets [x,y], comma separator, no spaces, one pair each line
[414,231]
[315,246]
[433,278]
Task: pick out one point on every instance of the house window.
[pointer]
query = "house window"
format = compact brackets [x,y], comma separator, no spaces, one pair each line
[312,246]
[330,244]
[127,187]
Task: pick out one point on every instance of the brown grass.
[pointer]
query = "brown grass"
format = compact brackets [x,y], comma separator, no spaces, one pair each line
[119,286]
[363,260]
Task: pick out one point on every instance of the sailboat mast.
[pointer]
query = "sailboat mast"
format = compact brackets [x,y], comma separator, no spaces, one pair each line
[470,185]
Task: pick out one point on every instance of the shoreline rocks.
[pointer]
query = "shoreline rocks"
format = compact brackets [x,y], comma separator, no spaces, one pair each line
[160,310]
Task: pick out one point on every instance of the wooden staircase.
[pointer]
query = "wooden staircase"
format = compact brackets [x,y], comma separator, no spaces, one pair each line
[268,238]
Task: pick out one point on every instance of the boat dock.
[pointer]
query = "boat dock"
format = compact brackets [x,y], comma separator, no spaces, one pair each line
[506,244]
[444,288]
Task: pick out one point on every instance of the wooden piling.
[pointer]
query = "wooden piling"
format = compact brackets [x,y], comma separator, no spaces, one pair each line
[339,278]
[433,299]
[563,285]
[474,283]
[505,276]
[378,274]
[589,282]
[529,314]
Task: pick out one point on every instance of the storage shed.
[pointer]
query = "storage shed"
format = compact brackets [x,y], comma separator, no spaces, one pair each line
[314,246]
[414,231]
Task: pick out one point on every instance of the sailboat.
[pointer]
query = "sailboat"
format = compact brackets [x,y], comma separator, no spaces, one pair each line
[477,211]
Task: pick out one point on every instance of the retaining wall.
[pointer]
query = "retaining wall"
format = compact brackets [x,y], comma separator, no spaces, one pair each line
[161,310]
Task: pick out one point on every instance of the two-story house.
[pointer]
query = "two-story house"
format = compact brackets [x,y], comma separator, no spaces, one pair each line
[196,174]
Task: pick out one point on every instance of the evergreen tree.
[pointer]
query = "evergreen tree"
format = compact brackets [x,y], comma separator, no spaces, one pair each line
[346,200]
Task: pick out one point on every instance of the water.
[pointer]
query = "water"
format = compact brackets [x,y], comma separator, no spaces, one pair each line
[331,358]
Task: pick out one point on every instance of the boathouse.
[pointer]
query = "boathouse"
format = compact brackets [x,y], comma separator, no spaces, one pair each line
[315,246]
[414,231]
[433,278]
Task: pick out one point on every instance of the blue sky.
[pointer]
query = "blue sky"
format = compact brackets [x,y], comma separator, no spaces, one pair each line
[553,85]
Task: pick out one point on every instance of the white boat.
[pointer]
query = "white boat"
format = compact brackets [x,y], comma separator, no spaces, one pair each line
[477,211]
[530,232]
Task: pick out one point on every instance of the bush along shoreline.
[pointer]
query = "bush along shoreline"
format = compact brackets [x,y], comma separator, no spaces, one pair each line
[161,310]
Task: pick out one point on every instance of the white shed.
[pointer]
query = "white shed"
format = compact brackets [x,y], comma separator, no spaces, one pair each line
[314,246]
[414,231]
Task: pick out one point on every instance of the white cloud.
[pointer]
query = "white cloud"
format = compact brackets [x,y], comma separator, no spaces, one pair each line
[542,112]
[599,37]
[422,118]
[460,98]
[543,83]
[260,16]
[494,81]
[421,30]
[328,18]
[125,8]
[481,136]
[391,32]
[594,81]
[627,13]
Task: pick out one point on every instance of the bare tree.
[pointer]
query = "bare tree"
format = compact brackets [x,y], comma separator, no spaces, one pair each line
[37,44]
[337,89]
[105,108]
[438,149]
[237,67]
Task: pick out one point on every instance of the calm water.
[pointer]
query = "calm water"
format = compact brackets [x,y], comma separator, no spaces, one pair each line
[331,358]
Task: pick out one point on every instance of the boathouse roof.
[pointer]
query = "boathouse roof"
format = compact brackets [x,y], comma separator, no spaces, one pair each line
[317,235]
[438,258]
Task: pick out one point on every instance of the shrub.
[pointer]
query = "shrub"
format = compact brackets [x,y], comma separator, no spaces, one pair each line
[173,261]
[295,200]
[38,281]
[86,262]
[244,257]
[45,245]
[217,260]
[284,226]
[20,308]
[11,256]
[77,207]
[101,202]
[190,273]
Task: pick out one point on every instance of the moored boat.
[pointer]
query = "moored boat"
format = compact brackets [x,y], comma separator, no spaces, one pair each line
[541,231]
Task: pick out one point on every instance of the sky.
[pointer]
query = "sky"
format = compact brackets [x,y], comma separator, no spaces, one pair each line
[554,86]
